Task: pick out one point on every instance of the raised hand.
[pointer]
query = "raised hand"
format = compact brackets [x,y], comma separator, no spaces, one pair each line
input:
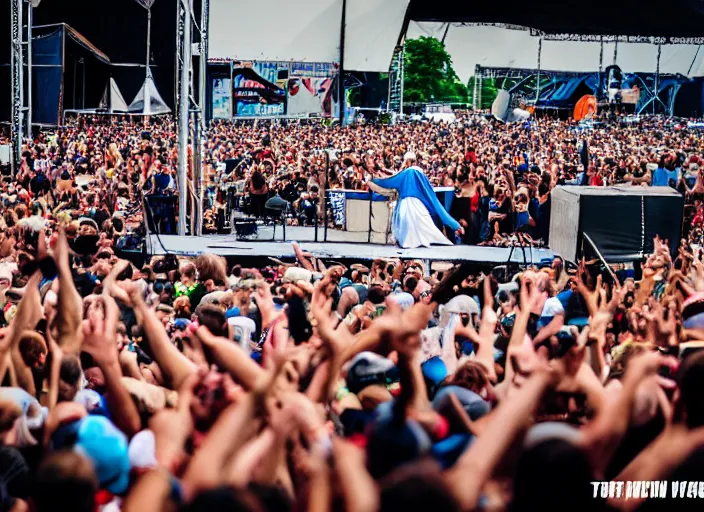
[100,333]
[321,309]
[402,328]
[265,303]
[173,427]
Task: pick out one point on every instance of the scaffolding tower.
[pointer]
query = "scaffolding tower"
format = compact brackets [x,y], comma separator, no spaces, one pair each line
[395,103]
[20,74]
[191,62]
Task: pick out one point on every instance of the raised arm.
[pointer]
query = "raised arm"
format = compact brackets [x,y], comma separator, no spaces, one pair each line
[100,341]
[69,304]
[476,465]
[28,314]
[174,364]
[230,357]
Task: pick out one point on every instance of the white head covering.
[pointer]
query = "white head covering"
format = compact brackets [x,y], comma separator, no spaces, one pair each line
[89,398]
[141,450]
[403,299]
[33,414]
[410,156]
[461,304]
[433,340]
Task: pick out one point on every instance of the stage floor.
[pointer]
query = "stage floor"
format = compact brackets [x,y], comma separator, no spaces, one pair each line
[338,247]
[307,234]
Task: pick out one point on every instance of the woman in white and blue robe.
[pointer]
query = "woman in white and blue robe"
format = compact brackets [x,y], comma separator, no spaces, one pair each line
[417,206]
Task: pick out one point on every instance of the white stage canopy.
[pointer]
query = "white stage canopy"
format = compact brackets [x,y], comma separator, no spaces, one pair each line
[499,47]
[307,31]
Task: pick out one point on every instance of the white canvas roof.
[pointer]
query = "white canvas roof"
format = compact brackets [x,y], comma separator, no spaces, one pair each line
[307,30]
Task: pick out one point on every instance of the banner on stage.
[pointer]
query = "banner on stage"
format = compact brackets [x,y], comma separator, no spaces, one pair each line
[274,88]
[222,98]
[256,91]
[310,96]
[338,207]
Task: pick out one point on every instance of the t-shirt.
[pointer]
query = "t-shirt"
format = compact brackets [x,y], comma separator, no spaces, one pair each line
[161,182]
[543,220]
[40,184]
[506,225]
[462,209]
[660,178]
[551,309]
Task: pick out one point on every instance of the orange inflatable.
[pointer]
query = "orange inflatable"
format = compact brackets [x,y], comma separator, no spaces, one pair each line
[585,107]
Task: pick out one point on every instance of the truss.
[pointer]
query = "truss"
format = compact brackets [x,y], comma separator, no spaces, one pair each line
[20,75]
[395,103]
[190,76]
[529,83]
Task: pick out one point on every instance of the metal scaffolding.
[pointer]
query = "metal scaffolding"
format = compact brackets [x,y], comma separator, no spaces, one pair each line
[191,43]
[654,94]
[540,54]
[395,100]
[532,83]
[20,75]
[477,89]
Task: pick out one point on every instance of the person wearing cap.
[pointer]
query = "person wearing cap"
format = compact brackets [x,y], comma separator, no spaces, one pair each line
[417,207]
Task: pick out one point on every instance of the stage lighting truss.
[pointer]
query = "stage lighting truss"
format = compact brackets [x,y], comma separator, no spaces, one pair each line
[396,72]
[21,78]
[191,43]
[591,38]
[596,38]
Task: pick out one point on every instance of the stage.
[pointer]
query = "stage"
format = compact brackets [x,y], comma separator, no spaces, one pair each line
[265,233]
[228,245]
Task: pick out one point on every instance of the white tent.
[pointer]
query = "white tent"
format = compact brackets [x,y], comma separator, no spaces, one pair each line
[113,101]
[307,31]
[148,101]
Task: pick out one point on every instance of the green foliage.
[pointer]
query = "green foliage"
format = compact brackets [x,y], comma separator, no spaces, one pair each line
[355,97]
[428,73]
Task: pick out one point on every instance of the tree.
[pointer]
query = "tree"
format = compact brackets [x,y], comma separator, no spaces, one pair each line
[428,73]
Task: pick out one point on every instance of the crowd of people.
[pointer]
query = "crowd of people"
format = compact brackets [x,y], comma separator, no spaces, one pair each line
[502,174]
[203,384]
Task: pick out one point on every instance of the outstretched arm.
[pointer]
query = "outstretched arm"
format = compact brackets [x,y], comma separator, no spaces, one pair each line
[380,190]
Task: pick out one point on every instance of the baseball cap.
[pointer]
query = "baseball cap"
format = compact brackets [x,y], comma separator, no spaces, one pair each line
[104,444]
[447,451]
[32,418]
[392,444]
[403,299]
[473,404]
[181,323]
[367,368]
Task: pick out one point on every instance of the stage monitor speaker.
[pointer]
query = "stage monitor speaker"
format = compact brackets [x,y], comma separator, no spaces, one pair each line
[622,221]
